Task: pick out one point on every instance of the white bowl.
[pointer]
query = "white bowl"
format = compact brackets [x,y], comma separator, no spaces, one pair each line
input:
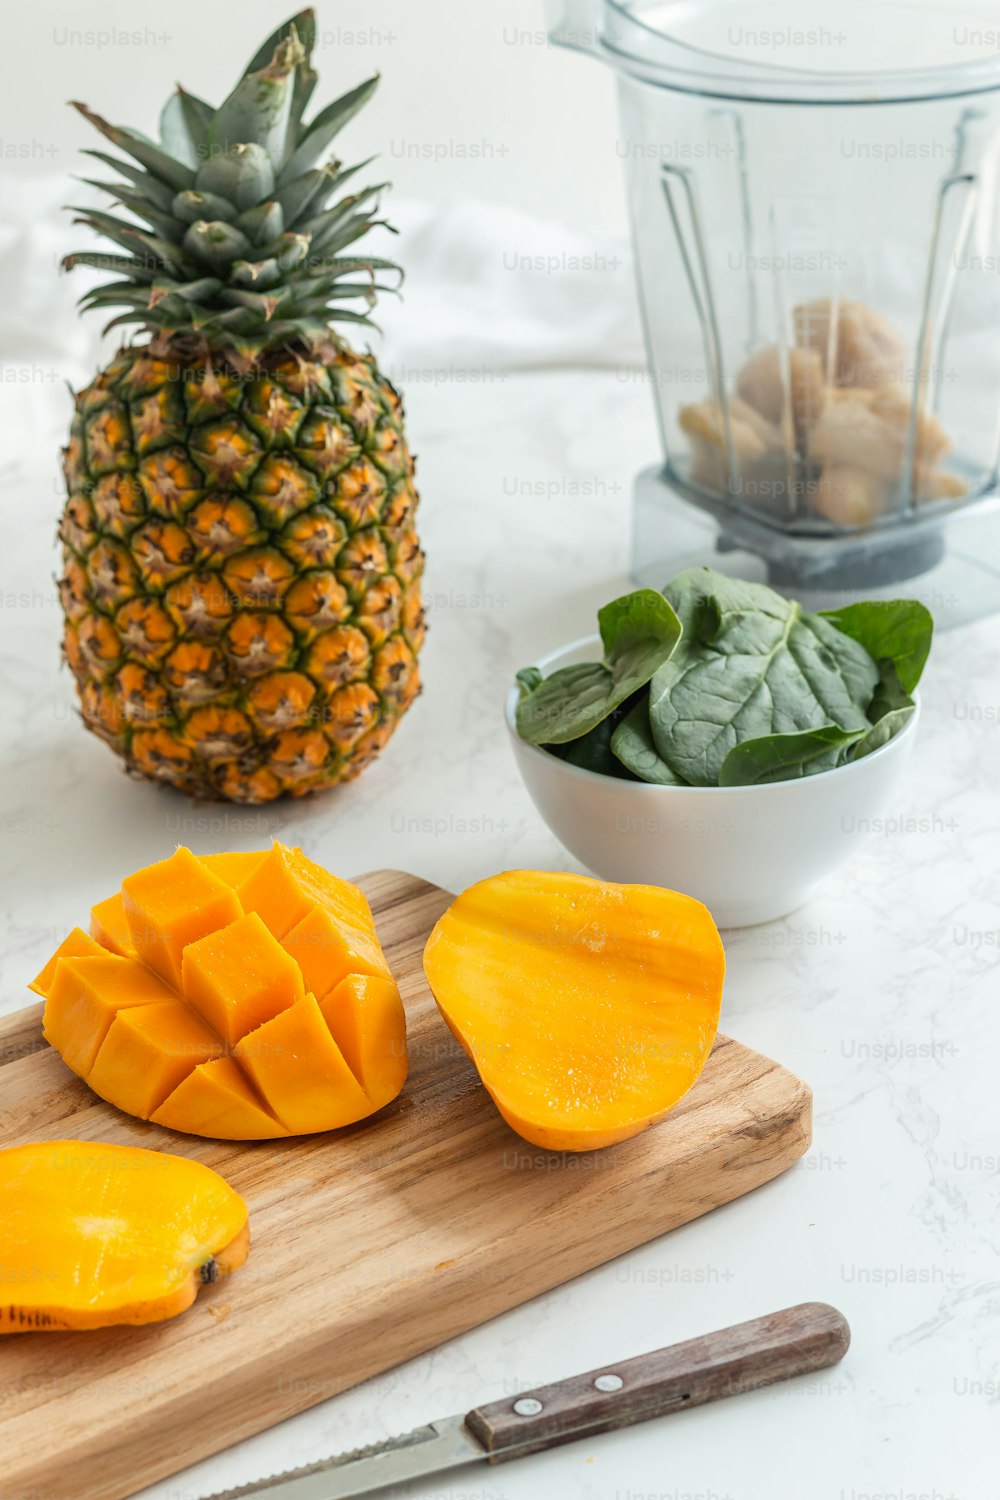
[750,853]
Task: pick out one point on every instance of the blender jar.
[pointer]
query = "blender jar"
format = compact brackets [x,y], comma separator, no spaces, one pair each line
[812,192]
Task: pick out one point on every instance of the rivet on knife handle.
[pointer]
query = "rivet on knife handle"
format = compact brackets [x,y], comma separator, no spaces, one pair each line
[794,1341]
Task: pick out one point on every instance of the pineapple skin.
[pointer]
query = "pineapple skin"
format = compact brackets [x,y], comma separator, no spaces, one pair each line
[241,584]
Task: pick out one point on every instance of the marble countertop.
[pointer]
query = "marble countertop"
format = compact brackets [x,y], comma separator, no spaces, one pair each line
[881,992]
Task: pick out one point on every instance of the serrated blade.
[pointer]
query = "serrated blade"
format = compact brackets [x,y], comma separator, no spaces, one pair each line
[424,1450]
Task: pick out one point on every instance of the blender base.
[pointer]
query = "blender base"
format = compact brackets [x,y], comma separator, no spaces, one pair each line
[952,565]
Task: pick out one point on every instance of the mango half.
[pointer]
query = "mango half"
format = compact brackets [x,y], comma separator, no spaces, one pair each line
[241,996]
[94,1235]
[588,1008]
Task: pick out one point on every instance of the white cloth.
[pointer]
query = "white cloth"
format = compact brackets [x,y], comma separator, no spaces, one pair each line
[486,288]
[487,285]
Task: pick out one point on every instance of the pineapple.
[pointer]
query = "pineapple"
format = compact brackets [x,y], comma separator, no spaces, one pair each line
[241,582]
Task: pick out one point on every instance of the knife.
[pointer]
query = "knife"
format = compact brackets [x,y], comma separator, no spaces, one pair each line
[810,1336]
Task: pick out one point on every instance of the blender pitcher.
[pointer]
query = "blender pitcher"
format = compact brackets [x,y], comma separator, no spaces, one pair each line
[812,192]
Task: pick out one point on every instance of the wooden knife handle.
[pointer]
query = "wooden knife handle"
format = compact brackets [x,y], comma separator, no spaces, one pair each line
[810,1336]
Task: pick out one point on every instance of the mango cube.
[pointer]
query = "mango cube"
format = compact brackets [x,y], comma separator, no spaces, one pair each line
[326,950]
[79,944]
[147,1052]
[366,1020]
[239,977]
[216,1099]
[109,926]
[85,996]
[301,1072]
[171,904]
[286,885]
[233,868]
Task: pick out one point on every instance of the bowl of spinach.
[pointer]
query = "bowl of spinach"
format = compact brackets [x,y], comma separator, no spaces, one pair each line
[720,739]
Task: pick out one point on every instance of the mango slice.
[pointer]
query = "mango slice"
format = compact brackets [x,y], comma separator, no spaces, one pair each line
[192,1002]
[94,1235]
[589,1009]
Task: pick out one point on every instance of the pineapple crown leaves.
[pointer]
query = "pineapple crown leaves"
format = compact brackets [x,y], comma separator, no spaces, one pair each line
[237,230]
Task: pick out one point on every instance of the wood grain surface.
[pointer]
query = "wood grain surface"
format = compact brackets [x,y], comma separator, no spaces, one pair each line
[369,1245]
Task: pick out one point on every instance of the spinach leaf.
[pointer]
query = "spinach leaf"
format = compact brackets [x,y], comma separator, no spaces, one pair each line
[889,694]
[887,727]
[894,630]
[890,709]
[750,665]
[632,743]
[782,757]
[592,751]
[638,632]
[720,682]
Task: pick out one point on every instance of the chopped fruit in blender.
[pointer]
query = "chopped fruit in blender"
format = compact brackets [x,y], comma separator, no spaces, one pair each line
[763,384]
[861,348]
[940,484]
[823,426]
[848,495]
[869,430]
[753,437]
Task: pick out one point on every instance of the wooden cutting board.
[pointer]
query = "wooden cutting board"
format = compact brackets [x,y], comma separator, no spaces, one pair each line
[369,1245]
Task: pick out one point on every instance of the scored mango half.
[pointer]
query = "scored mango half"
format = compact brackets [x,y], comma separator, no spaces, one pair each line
[241,996]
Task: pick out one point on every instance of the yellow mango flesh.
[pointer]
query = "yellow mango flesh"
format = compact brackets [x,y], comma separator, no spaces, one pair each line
[366,1020]
[86,996]
[174,903]
[239,977]
[109,926]
[216,1099]
[79,944]
[190,1032]
[588,1008]
[298,1067]
[286,885]
[326,947]
[94,1235]
[232,868]
[148,1051]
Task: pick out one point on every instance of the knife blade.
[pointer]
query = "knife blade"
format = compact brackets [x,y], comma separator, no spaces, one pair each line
[794,1341]
[413,1455]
